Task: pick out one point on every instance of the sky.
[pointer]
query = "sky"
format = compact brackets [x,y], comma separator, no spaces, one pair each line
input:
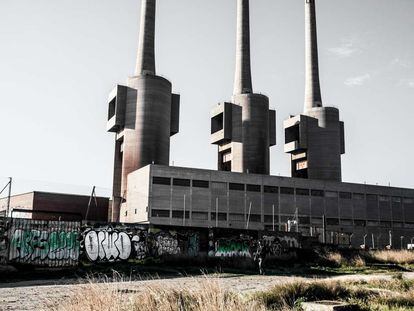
[59,60]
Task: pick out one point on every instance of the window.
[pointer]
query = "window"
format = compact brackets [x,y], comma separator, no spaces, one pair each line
[372,223]
[221,216]
[239,187]
[302,191]
[270,189]
[181,182]
[372,197]
[236,217]
[269,218]
[161,181]
[254,188]
[384,198]
[408,200]
[331,194]
[359,196]
[180,214]
[345,195]
[112,109]
[360,223]
[287,190]
[304,220]
[217,123]
[160,213]
[317,193]
[396,199]
[136,211]
[255,218]
[126,213]
[332,221]
[201,183]
[346,222]
[199,216]
[385,224]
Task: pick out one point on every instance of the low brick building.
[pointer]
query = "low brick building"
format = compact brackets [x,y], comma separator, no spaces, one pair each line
[55,206]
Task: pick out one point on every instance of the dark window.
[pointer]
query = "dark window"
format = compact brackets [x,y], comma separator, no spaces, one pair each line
[292,133]
[160,213]
[359,196]
[180,214]
[286,190]
[201,183]
[239,187]
[385,224]
[255,218]
[317,193]
[135,211]
[302,191]
[269,218]
[372,197]
[332,221]
[181,182]
[161,181]
[270,189]
[199,216]
[254,188]
[112,109]
[221,216]
[236,217]
[345,195]
[304,220]
[217,123]
[360,223]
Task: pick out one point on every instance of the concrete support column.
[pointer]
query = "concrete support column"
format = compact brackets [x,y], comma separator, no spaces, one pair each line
[146,47]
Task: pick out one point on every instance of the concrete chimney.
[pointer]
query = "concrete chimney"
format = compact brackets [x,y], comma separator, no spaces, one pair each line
[146,47]
[313,96]
[243,76]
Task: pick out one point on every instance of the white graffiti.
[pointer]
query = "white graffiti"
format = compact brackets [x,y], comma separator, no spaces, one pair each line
[107,245]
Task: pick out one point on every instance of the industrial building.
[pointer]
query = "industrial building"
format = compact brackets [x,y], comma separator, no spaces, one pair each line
[38,205]
[241,195]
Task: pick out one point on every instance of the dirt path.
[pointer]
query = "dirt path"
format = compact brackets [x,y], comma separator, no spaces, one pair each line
[32,295]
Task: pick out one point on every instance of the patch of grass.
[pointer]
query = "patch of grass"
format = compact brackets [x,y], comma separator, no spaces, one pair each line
[401,257]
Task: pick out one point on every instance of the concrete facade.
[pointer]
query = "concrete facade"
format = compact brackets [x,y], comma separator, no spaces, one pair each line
[143,114]
[315,139]
[245,128]
[54,206]
[162,195]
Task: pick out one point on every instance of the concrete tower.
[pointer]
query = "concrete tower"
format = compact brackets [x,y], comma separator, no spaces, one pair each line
[315,139]
[143,114]
[245,128]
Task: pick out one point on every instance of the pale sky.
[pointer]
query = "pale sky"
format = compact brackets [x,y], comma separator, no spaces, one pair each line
[60,59]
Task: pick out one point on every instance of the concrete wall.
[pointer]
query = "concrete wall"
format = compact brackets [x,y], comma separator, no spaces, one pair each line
[224,199]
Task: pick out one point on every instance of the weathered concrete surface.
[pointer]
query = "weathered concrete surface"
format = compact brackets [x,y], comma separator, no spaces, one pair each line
[34,294]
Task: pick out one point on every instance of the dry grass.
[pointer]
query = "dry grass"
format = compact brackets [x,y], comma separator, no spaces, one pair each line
[207,295]
[396,257]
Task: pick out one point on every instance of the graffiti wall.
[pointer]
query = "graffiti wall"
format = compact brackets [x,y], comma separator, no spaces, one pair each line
[3,240]
[109,244]
[246,246]
[43,243]
[66,244]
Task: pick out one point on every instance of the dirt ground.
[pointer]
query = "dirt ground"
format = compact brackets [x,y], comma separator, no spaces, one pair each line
[31,295]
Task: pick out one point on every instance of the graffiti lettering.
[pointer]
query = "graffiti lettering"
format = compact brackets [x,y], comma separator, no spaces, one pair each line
[232,248]
[107,245]
[29,245]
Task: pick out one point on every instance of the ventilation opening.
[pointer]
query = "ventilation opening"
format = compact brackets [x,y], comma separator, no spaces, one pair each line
[217,123]
[112,109]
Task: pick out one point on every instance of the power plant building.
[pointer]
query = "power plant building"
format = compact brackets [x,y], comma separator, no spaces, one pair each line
[241,194]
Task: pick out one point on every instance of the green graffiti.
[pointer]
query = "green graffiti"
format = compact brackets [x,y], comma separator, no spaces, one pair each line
[232,249]
[29,245]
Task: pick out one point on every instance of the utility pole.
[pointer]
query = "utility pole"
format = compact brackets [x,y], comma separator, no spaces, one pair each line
[248,216]
[93,195]
[9,185]
[324,229]
[217,208]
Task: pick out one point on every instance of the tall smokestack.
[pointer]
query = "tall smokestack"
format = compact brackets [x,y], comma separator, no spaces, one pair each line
[243,77]
[146,54]
[313,96]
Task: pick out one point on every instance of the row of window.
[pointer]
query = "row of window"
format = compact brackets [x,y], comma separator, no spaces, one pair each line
[269,219]
[283,190]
